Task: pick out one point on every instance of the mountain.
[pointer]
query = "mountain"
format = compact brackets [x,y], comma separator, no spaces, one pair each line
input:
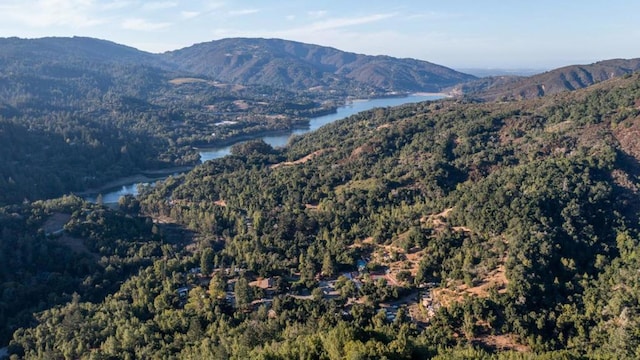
[451,229]
[444,230]
[483,85]
[281,63]
[70,50]
[522,215]
[486,72]
[76,113]
[567,78]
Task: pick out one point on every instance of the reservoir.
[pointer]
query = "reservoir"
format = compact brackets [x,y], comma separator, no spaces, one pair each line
[281,139]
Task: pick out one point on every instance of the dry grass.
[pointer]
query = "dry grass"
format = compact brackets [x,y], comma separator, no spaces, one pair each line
[303,159]
[76,245]
[161,219]
[502,342]
[628,135]
[241,104]
[55,222]
[457,292]
[186,80]
[438,221]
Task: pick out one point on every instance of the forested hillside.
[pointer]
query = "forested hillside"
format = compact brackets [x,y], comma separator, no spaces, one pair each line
[78,112]
[446,230]
[293,65]
[567,78]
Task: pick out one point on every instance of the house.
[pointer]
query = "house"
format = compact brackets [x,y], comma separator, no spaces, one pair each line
[267,285]
[263,283]
[183,292]
[362,265]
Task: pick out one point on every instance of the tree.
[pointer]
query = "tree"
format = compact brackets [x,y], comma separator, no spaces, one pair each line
[217,287]
[252,147]
[307,268]
[206,261]
[403,276]
[317,294]
[348,290]
[328,266]
[242,292]
[129,204]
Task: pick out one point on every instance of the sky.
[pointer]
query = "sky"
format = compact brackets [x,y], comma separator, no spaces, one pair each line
[516,34]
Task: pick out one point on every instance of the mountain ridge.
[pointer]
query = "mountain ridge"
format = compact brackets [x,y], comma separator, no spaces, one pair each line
[306,66]
[253,61]
[567,78]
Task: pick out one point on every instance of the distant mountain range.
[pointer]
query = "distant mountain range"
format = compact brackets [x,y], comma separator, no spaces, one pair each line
[70,50]
[281,63]
[270,62]
[567,78]
[297,66]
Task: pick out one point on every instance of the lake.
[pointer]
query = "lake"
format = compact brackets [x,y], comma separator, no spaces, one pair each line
[282,139]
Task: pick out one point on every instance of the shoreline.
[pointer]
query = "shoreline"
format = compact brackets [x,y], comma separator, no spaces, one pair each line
[232,140]
[141,177]
[430,94]
[148,176]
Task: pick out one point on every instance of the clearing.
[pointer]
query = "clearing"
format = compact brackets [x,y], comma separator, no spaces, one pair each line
[303,159]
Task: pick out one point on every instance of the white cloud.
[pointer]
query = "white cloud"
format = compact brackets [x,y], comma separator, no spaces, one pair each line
[243,12]
[317,13]
[434,15]
[313,30]
[215,5]
[143,25]
[337,23]
[45,13]
[116,5]
[290,17]
[159,5]
[189,14]
[341,33]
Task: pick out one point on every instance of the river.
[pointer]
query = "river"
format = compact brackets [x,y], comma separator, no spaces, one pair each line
[282,139]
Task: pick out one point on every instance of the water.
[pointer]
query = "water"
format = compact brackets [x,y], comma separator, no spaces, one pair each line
[341,113]
[113,196]
[282,139]
[210,154]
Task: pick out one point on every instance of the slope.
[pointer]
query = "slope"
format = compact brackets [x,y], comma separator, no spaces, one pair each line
[540,192]
[76,113]
[567,78]
[281,63]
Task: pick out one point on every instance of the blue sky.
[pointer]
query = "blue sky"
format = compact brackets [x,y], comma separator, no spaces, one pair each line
[458,33]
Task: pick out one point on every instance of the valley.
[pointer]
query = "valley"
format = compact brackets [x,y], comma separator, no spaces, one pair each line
[129,185]
[304,208]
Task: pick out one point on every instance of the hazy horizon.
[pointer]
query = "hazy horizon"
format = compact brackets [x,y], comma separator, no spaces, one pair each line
[491,35]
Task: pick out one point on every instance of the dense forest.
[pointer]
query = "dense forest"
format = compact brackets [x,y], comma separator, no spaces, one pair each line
[77,113]
[566,78]
[293,65]
[447,230]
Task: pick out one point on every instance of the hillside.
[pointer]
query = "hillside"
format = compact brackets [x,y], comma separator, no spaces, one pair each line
[85,111]
[76,113]
[69,50]
[445,229]
[281,63]
[567,78]
[484,85]
[452,229]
